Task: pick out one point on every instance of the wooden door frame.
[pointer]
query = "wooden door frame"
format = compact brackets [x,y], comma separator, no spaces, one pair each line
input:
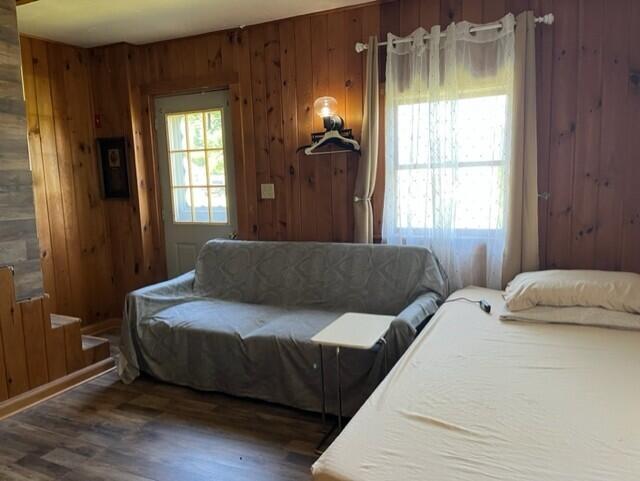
[149,92]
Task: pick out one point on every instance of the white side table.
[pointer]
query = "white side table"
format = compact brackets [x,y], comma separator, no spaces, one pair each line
[351,330]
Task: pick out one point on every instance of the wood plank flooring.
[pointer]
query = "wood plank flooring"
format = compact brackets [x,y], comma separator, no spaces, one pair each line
[151,431]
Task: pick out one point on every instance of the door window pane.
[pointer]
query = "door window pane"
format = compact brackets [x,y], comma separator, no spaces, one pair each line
[218,205]
[196,131]
[176,132]
[200,204]
[213,122]
[179,169]
[198,168]
[182,205]
[216,167]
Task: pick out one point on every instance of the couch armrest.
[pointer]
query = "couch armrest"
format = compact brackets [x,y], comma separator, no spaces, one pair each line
[141,304]
[416,312]
[404,327]
[177,287]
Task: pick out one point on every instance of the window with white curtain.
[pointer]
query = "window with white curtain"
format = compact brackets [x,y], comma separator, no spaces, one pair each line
[448,123]
[474,179]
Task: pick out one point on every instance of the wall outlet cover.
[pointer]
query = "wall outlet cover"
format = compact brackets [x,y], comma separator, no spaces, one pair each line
[267,191]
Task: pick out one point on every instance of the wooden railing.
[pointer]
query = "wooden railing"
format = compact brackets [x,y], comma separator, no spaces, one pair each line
[37,347]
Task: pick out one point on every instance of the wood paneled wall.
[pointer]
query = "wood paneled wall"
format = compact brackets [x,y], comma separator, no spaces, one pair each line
[588,94]
[18,240]
[134,224]
[276,70]
[589,142]
[75,242]
[588,109]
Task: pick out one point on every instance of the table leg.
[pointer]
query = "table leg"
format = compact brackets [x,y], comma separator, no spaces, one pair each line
[339,389]
[386,359]
[323,441]
[324,396]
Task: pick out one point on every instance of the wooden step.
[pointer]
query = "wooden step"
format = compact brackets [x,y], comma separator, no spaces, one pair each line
[95,349]
[34,328]
[41,351]
[58,320]
[54,340]
[72,340]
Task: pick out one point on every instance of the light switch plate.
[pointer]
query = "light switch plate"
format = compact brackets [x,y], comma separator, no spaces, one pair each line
[267,191]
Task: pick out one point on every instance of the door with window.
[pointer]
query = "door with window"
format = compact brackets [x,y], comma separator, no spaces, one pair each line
[195,155]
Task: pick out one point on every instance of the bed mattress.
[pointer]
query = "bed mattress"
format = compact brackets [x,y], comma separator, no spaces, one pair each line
[475,398]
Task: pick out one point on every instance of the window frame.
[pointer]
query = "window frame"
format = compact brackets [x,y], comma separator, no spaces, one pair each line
[461,234]
[190,187]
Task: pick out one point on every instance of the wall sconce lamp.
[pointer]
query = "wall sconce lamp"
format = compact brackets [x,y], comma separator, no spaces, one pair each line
[334,132]
[326,107]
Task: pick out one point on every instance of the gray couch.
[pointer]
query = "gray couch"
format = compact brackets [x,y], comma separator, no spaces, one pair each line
[241,323]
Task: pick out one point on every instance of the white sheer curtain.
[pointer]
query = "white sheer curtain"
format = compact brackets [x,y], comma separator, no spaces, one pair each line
[448,141]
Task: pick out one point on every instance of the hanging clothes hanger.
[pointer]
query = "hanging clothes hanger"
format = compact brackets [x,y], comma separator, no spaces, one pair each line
[339,138]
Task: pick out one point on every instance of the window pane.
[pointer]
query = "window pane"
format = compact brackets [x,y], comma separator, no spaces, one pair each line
[182,205]
[441,182]
[415,191]
[413,134]
[453,131]
[200,205]
[179,169]
[218,205]
[213,121]
[450,198]
[216,167]
[176,132]
[198,168]
[479,198]
[196,133]
[480,123]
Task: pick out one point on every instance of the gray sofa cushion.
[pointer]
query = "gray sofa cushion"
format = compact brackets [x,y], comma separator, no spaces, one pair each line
[248,350]
[242,322]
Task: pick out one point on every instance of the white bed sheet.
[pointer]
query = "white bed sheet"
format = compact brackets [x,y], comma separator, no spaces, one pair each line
[475,398]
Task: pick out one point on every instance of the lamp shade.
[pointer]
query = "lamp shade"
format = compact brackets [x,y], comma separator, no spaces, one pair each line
[325,106]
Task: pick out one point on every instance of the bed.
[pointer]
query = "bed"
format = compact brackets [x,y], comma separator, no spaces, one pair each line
[476,398]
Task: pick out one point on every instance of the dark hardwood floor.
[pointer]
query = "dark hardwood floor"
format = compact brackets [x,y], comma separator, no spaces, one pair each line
[105,430]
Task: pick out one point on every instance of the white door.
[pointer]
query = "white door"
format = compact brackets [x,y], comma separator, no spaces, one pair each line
[195,154]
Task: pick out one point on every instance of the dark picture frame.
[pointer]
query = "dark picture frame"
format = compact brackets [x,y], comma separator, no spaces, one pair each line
[114,171]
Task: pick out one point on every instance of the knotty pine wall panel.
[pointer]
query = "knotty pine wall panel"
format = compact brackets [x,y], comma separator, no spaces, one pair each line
[110,77]
[631,212]
[75,242]
[588,84]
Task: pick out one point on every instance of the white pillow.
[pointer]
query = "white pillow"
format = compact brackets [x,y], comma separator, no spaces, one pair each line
[586,316]
[617,291]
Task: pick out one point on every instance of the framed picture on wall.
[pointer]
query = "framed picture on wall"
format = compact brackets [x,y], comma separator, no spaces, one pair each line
[113,167]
